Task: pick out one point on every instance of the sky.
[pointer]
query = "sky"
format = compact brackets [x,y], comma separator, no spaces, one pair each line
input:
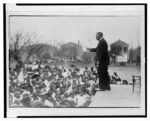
[59,30]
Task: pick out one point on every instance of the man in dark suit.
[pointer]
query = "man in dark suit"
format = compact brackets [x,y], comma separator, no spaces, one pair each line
[102,61]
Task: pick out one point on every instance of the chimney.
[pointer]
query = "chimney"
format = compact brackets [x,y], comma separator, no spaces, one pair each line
[78,42]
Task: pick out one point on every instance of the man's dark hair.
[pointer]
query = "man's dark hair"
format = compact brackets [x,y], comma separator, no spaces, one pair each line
[100,34]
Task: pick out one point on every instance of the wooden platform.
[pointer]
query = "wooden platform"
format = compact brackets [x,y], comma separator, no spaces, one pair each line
[119,96]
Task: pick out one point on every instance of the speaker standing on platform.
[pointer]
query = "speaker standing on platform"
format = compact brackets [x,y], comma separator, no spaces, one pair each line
[102,61]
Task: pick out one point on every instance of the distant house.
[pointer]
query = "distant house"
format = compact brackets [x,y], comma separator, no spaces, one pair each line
[119,52]
[71,51]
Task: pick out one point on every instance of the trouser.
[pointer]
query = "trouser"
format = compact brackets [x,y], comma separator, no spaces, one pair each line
[103,77]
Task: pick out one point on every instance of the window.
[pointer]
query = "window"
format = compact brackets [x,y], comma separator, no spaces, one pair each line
[125,49]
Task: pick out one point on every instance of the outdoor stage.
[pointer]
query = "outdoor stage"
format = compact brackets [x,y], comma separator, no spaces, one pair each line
[119,96]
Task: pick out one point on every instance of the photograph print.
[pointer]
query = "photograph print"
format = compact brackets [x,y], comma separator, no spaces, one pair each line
[83,59]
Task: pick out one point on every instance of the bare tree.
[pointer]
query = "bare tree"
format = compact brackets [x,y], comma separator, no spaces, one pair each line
[22,44]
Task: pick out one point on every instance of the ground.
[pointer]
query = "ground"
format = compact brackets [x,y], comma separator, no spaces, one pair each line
[125,72]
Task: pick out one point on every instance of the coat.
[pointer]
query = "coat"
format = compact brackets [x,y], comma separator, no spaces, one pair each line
[102,55]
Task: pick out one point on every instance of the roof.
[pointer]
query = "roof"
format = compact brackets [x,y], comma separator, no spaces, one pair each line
[70,48]
[120,43]
[70,44]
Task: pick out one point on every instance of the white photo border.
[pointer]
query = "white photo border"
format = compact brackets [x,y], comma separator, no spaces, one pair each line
[79,10]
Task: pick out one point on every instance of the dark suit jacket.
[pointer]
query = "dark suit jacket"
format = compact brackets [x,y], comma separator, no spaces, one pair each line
[102,54]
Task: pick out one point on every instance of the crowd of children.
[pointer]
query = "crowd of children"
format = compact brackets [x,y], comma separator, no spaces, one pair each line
[52,86]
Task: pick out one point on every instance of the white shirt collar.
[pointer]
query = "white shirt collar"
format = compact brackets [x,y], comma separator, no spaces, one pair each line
[101,38]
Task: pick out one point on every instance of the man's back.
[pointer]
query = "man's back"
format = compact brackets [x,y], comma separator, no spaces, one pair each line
[102,54]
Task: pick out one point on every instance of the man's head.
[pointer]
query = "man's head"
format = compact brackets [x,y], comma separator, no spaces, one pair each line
[99,35]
